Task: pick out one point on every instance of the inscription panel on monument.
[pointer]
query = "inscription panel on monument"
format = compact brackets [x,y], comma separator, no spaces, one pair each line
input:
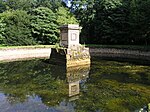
[73,37]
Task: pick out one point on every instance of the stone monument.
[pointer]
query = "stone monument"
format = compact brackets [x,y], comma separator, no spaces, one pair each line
[69,35]
[71,52]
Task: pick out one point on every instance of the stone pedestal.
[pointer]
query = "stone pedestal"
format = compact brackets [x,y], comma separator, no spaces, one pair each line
[70,57]
[71,52]
[69,35]
[77,56]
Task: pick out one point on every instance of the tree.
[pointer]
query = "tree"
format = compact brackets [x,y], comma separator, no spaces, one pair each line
[65,17]
[2,6]
[95,18]
[139,21]
[111,21]
[44,26]
[144,9]
[17,4]
[51,4]
[17,29]
[84,11]
[2,29]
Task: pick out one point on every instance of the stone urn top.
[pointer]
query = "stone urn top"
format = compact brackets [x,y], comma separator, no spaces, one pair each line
[71,26]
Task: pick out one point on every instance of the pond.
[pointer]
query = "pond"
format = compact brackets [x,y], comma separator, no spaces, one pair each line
[104,86]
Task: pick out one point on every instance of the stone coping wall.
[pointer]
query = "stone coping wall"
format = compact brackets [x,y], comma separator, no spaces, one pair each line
[13,54]
[120,53]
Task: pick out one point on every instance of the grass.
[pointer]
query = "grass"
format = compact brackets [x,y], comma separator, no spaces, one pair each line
[129,47]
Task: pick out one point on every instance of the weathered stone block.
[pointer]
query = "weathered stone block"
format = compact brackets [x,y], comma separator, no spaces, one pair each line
[75,56]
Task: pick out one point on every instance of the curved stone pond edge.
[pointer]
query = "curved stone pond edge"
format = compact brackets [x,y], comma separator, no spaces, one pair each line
[11,54]
[125,54]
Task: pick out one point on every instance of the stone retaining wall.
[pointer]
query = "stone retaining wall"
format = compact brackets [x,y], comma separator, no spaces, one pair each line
[12,54]
[120,53]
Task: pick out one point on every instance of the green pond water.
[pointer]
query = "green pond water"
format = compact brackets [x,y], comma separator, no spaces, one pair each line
[104,86]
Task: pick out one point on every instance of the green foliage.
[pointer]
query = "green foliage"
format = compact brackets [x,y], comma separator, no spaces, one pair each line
[18,27]
[102,21]
[17,30]
[28,5]
[113,21]
[44,26]
[51,4]
[2,29]
[2,6]
[139,21]
[17,5]
[112,27]
[65,17]
[85,13]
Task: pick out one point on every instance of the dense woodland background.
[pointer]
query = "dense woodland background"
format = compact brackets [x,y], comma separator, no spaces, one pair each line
[30,22]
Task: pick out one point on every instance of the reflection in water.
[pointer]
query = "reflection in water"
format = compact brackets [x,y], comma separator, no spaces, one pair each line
[37,86]
[75,75]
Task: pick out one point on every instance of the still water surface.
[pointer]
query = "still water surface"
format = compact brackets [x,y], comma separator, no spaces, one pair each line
[104,86]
